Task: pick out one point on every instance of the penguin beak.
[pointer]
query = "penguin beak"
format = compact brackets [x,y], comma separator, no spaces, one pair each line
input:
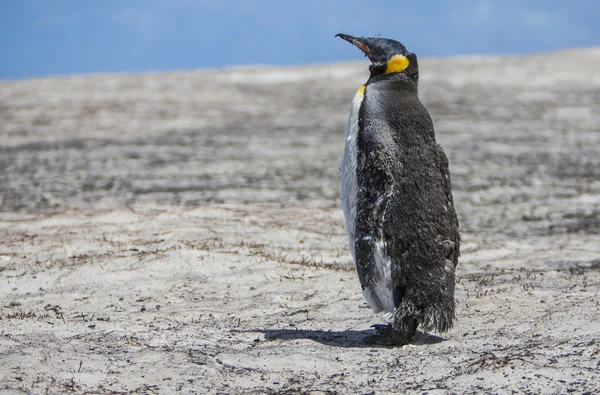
[356,41]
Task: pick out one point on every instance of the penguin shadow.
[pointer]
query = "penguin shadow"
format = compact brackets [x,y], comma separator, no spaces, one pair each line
[347,339]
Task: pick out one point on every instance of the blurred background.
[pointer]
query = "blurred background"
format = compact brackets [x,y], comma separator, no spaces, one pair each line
[41,37]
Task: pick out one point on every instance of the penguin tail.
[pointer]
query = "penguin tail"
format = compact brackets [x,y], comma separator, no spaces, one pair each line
[408,317]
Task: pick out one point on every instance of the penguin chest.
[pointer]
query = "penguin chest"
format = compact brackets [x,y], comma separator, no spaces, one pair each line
[370,252]
[349,185]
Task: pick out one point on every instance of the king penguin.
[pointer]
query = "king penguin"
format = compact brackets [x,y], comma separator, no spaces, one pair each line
[396,196]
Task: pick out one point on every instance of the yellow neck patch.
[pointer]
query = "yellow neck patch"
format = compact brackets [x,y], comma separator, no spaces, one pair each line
[397,64]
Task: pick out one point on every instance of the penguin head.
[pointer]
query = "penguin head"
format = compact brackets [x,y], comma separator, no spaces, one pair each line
[387,56]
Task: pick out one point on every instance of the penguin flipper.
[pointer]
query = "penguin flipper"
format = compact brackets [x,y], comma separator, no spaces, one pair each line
[450,240]
[373,262]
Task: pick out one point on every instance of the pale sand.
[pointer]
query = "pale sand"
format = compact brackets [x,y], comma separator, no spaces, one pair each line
[182,232]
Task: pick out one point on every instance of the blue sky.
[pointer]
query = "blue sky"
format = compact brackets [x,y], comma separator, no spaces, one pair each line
[50,37]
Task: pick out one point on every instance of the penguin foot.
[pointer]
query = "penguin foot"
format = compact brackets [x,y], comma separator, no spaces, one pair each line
[383,329]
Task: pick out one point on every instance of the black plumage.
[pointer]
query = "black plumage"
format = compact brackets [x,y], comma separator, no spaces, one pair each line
[405,228]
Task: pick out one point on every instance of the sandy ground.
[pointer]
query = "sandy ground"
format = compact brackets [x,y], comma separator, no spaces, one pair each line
[182,232]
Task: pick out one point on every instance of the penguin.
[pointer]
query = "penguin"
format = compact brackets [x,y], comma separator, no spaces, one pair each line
[397,199]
